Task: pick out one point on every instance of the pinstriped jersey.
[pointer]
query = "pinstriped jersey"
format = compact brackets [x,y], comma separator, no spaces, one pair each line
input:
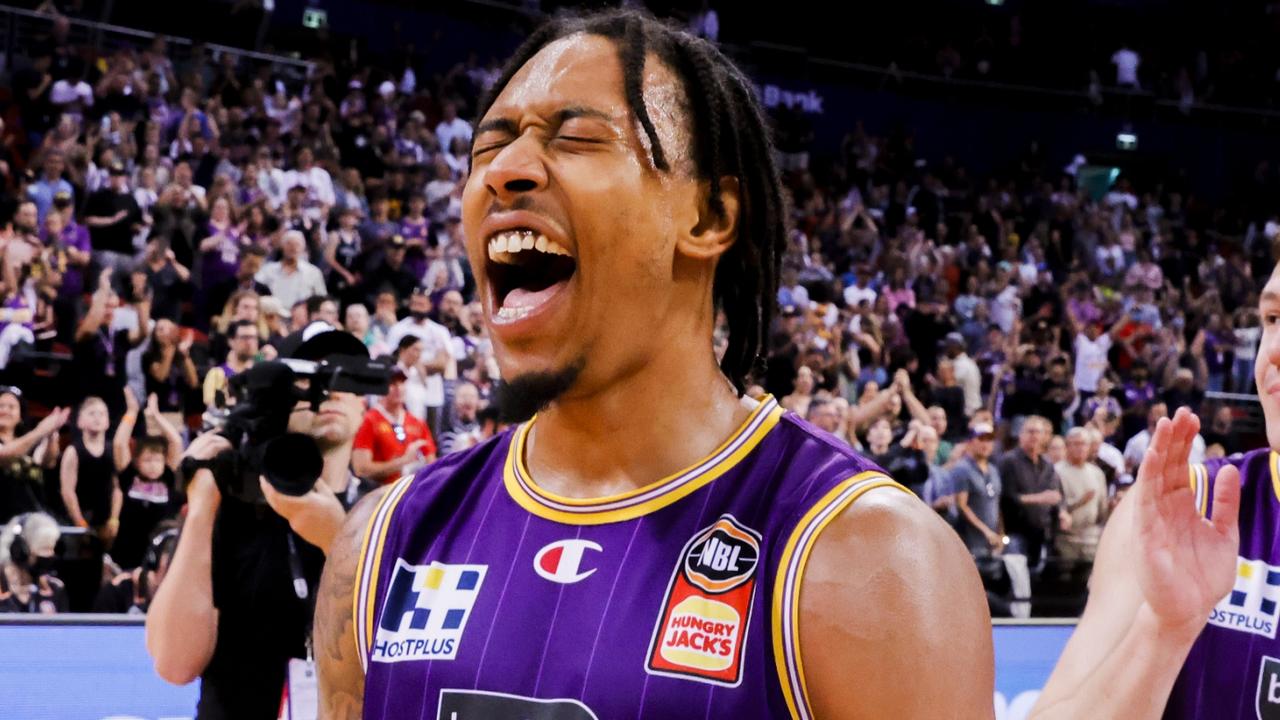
[1233,669]
[481,596]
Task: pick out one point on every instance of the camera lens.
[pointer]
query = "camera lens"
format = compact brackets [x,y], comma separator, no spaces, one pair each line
[291,463]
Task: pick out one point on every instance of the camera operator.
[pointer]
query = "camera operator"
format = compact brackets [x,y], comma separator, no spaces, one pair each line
[238,605]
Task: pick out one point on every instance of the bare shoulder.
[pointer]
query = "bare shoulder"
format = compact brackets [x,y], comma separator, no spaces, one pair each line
[341,675]
[890,595]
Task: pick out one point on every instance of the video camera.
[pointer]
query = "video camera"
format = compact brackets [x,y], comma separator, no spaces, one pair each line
[257,425]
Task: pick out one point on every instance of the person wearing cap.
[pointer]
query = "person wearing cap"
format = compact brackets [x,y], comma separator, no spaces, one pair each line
[977,488]
[391,441]
[237,610]
[113,216]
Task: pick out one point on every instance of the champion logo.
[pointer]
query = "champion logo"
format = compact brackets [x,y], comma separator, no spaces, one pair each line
[561,561]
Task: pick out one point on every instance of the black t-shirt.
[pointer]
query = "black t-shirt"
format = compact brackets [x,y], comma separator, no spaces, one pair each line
[118,236]
[49,596]
[121,596]
[146,505]
[98,365]
[262,622]
[93,482]
[167,291]
[37,114]
[21,487]
[906,465]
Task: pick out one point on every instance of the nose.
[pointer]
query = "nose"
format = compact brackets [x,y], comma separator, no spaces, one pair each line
[518,169]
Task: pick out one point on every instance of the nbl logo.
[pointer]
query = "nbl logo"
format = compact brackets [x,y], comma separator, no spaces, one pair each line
[723,558]
[1253,605]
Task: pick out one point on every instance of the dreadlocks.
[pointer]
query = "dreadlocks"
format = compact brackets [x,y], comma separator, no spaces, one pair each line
[729,138]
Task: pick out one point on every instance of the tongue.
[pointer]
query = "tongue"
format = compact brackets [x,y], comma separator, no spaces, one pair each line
[520,298]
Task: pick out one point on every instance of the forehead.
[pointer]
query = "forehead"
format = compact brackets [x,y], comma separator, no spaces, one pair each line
[1271,291]
[579,68]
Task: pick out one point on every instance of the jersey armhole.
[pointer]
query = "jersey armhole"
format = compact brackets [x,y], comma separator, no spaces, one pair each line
[368,567]
[786,588]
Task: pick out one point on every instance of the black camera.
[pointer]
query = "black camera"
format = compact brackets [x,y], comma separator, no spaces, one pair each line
[257,425]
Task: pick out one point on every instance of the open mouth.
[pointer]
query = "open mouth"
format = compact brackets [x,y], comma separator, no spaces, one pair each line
[525,270]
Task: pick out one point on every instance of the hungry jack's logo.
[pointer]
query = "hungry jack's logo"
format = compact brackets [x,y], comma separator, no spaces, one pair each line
[702,628]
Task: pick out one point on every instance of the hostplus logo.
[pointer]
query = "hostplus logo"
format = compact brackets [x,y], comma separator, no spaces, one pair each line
[426,611]
[1253,605]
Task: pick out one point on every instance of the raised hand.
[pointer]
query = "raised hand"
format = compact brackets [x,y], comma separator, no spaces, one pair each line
[1187,563]
[130,401]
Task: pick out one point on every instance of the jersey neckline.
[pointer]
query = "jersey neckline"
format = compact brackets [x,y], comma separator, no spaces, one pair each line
[642,500]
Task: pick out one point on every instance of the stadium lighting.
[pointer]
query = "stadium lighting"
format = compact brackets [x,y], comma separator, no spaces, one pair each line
[1127,141]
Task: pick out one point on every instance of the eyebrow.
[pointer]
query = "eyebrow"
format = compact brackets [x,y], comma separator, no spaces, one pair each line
[564,115]
[1269,296]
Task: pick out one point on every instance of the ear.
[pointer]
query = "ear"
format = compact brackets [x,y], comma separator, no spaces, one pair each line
[705,234]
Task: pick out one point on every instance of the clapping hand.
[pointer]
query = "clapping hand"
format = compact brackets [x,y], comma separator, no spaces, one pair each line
[1186,563]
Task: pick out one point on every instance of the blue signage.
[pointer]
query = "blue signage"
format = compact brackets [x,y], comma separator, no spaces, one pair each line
[94,671]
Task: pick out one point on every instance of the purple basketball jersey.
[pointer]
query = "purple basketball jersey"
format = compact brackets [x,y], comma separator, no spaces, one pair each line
[480,596]
[1233,670]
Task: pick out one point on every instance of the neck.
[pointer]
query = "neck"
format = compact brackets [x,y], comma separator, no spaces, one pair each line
[337,463]
[94,438]
[618,437]
[236,363]
[290,262]
[396,410]
[1033,454]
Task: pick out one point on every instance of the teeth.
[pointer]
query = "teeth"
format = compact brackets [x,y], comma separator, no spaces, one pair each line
[505,244]
[506,313]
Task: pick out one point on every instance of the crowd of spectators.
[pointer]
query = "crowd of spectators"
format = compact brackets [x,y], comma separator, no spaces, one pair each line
[1002,345]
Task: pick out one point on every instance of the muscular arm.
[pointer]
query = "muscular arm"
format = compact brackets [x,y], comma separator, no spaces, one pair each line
[341,677]
[870,605]
[182,623]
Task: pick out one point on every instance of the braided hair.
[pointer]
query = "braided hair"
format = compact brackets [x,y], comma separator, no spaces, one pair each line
[730,137]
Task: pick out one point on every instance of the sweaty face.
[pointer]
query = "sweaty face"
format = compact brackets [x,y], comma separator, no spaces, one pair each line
[1266,369]
[574,227]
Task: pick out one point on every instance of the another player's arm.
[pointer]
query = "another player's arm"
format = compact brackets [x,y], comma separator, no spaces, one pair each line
[1159,570]
[341,676]
[890,593]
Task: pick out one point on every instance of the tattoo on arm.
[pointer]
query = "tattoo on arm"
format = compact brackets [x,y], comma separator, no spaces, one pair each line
[341,676]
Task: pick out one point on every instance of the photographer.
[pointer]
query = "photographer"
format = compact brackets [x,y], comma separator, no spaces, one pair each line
[239,605]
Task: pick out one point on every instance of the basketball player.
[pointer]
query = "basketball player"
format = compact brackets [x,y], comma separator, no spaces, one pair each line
[652,544]
[1195,636]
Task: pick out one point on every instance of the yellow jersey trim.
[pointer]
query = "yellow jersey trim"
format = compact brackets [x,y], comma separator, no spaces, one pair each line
[1274,462]
[369,565]
[643,500]
[791,567]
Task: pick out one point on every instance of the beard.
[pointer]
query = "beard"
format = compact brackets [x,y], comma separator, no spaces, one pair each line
[519,398]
